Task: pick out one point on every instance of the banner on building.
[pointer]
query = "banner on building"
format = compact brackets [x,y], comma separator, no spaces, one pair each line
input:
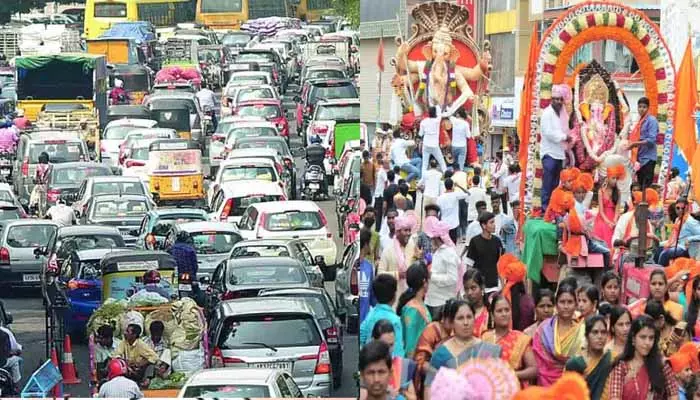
[503,112]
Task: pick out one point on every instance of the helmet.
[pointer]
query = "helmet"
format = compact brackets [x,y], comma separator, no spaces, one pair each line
[182,237]
[151,276]
[116,367]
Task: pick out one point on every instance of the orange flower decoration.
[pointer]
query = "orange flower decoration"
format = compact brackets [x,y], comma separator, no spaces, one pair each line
[616,171]
[679,361]
[571,386]
[691,350]
[584,182]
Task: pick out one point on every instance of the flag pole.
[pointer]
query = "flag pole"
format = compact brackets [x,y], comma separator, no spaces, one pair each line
[379,79]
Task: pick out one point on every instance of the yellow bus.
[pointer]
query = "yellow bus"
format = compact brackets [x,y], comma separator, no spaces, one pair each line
[101,14]
[313,10]
[231,14]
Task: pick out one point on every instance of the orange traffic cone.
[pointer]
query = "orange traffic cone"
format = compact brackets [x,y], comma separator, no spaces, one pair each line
[68,368]
[58,389]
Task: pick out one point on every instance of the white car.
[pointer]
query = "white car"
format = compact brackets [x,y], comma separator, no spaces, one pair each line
[114,135]
[232,199]
[290,220]
[235,128]
[223,383]
[243,171]
[136,159]
[281,164]
[250,77]
[238,94]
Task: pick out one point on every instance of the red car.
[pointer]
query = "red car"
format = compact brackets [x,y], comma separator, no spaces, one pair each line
[270,110]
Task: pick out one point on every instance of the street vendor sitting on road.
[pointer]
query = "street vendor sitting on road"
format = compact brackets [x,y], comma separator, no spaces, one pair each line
[137,354]
[155,341]
[105,347]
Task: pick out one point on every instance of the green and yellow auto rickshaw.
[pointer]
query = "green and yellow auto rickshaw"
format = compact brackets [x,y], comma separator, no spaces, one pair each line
[123,270]
[175,172]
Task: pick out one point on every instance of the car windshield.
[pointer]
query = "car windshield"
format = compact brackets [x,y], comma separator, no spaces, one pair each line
[251,131]
[65,176]
[119,208]
[25,236]
[118,188]
[259,110]
[326,74]
[227,391]
[139,153]
[90,270]
[59,151]
[242,203]
[254,94]
[89,242]
[278,146]
[293,221]
[235,40]
[273,330]
[7,196]
[214,242]
[118,132]
[247,173]
[338,112]
[260,251]
[329,92]
[8,213]
[266,274]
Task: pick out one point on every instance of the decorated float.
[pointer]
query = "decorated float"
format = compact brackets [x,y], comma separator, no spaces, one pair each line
[602,123]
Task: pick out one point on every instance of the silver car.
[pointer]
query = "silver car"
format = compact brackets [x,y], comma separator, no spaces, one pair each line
[347,287]
[229,383]
[18,240]
[274,332]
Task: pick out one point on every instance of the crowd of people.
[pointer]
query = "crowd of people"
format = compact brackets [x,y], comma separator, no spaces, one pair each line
[441,280]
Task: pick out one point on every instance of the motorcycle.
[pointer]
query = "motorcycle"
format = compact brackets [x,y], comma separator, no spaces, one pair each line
[314,174]
[7,387]
[188,288]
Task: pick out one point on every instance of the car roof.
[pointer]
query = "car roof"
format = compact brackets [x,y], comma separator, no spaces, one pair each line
[290,205]
[266,242]
[86,230]
[27,221]
[42,136]
[299,290]
[256,86]
[114,178]
[175,211]
[323,81]
[237,376]
[267,102]
[271,305]
[136,122]
[262,152]
[250,73]
[150,131]
[252,123]
[5,186]
[8,205]
[113,197]
[79,164]
[95,254]
[347,101]
[172,96]
[261,138]
[201,226]
[248,160]
[251,188]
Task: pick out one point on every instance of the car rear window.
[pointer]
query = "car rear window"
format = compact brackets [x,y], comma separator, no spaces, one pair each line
[266,274]
[25,236]
[326,74]
[250,131]
[259,110]
[227,391]
[59,151]
[119,208]
[249,80]
[89,242]
[255,93]
[65,176]
[293,221]
[6,196]
[214,242]
[118,132]
[248,173]
[270,329]
[338,112]
[346,91]
[242,203]
[260,251]
[118,188]
[8,213]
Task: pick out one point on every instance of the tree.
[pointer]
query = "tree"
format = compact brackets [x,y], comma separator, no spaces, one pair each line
[10,7]
[349,9]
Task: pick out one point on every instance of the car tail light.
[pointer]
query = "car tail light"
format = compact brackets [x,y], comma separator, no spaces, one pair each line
[329,152]
[332,335]
[227,209]
[309,110]
[288,163]
[274,74]
[4,256]
[217,359]
[53,195]
[279,168]
[80,284]
[135,163]
[323,361]
[354,284]
[25,167]
[102,147]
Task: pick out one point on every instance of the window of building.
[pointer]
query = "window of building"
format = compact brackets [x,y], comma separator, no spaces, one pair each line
[503,56]
[500,5]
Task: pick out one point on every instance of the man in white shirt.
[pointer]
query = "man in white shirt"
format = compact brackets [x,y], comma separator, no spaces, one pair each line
[207,100]
[449,207]
[431,183]
[400,159]
[477,194]
[460,134]
[430,132]
[474,228]
[555,133]
[380,183]
[61,214]
[512,184]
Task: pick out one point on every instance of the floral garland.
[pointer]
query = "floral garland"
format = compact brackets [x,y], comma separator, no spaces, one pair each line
[450,95]
[587,22]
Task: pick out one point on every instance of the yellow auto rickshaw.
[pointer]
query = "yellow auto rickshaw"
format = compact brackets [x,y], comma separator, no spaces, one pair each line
[175,172]
[173,116]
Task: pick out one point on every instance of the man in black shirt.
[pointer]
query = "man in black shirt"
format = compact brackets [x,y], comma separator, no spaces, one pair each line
[485,250]
[390,191]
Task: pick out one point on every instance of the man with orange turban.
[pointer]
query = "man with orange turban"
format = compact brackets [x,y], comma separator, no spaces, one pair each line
[554,125]
[680,365]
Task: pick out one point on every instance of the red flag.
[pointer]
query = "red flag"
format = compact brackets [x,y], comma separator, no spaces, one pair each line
[380,55]
[686,101]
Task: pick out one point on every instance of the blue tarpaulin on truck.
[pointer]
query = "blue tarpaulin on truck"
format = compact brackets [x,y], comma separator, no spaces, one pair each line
[138,31]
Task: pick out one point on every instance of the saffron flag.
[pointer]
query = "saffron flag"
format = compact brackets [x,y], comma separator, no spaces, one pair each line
[525,108]
[380,55]
[686,101]
[695,175]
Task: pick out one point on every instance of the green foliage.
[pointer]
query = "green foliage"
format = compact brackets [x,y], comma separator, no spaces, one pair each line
[10,7]
[349,9]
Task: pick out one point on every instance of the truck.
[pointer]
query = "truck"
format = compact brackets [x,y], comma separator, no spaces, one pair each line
[49,39]
[67,79]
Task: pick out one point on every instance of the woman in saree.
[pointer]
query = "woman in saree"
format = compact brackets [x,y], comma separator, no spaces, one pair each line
[475,295]
[658,290]
[403,370]
[672,333]
[558,338]
[639,372]
[515,345]
[512,271]
[610,284]
[620,322]
[461,347]
[433,335]
[414,314]
[544,309]
[595,363]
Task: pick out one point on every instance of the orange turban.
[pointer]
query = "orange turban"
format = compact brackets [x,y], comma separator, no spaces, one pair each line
[561,201]
[584,182]
[679,361]
[511,269]
[652,196]
[616,171]
[691,350]
[571,386]
[569,174]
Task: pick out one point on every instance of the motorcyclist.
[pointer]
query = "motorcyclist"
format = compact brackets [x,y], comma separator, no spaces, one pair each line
[185,255]
[207,99]
[38,196]
[8,138]
[118,94]
[21,122]
[61,214]
[315,154]
[86,133]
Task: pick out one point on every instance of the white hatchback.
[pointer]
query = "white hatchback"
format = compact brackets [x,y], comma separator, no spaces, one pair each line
[232,199]
[225,383]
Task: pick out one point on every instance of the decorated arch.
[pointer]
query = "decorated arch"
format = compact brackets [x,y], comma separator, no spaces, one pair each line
[589,22]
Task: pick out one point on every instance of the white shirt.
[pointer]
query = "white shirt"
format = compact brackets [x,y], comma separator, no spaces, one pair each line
[477,194]
[449,207]
[473,230]
[499,172]
[512,184]
[430,131]
[61,214]
[206,98]
[460,132]
[15,347]
[120,387]
[380,184]
[398,151]
[553,137]
[444,274]
[621,225]
[432,180]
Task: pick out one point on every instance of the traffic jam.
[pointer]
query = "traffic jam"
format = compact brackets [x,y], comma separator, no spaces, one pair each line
[179,213]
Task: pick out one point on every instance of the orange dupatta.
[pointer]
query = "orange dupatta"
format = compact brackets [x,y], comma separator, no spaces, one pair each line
[513,346]
[481,322]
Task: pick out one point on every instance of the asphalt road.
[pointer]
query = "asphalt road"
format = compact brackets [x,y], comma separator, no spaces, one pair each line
[29,322]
